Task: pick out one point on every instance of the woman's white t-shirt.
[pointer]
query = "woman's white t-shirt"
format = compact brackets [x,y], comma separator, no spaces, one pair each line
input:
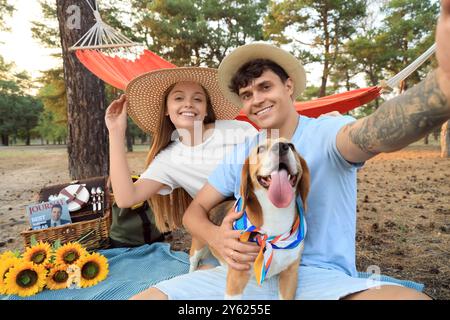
[181,166]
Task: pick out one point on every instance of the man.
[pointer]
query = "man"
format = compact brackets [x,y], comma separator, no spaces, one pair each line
[56,220]
[266,80]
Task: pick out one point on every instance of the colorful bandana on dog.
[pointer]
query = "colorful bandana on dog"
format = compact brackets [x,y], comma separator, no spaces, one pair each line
[288,240]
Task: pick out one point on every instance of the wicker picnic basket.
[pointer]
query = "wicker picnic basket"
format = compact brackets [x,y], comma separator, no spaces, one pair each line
[89,228]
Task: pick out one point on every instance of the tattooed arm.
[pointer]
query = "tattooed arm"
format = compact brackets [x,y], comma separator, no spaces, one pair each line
[397,123]
[406,118]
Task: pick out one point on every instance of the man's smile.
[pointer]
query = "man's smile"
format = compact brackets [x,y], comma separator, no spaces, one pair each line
[264,111]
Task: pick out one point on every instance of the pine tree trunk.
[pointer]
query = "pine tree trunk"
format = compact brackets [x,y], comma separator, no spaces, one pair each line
[445,140]
[5,140]
[87,134]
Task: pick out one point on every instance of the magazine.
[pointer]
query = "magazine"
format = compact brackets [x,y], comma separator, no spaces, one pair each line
[48,214]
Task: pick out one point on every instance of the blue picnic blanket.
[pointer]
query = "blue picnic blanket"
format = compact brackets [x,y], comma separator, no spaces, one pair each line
[132,270]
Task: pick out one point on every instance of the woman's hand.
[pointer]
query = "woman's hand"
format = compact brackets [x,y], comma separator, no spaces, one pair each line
[238,255]
[116,116]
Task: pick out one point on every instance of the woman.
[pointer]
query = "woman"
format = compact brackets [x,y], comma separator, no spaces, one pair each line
[184,111]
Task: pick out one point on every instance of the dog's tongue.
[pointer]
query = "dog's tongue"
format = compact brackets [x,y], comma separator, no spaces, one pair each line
[280,190]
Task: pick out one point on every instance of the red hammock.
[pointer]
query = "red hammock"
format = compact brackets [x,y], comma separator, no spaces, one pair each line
[119,71]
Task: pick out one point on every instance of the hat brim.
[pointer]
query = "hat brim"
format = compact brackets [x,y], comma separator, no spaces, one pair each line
[145,94]
[257,50]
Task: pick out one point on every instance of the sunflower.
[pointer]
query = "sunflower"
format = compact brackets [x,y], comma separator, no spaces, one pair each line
[7,254]
[25,279]
[69,253]
[40,253]
[57,278]
[94,268]
[5,265]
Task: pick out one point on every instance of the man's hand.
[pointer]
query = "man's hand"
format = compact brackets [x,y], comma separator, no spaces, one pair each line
[238,255]
[443,47]
[222,239]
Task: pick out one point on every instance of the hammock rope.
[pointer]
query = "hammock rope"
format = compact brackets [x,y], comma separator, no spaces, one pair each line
[101,35]
[402,75]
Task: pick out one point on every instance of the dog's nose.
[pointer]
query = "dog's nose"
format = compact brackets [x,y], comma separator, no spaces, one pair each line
[281,148]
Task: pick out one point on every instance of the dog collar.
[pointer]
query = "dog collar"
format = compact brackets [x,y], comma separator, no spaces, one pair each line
[288,240]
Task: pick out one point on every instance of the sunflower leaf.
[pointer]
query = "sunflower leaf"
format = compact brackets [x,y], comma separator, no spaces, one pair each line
[17,253]
[33,240]
[56,244]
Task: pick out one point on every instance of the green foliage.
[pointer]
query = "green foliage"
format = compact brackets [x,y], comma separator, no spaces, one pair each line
[19,110]
[408,30]
[49,128]
[405,32]
[369,54]
[56,245]
[28,109]
[329,24]
[364,110]
[33,241]
[53,94]
[310,93]
[19,115]
[201,32]
[52,122]
[6,9]
[47,30]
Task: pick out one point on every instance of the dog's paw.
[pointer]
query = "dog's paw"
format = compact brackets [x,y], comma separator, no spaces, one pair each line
[195,259]
[193,263]
[192,268]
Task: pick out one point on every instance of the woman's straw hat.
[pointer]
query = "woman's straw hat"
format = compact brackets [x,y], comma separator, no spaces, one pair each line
[259,50]
[145,94]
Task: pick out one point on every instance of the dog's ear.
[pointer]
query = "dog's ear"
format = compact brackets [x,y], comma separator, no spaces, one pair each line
[303,184]
[246,183]
[249,201]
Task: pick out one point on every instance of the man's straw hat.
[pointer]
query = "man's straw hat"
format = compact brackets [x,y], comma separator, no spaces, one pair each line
[259,50]
[145,94]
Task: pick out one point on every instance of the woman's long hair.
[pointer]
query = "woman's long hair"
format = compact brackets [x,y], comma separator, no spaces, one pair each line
[169,210]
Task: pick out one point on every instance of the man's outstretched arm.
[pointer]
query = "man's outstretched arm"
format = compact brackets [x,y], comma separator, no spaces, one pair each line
[406,118]
[397,123]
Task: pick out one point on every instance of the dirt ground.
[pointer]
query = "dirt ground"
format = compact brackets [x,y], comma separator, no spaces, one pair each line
[403,225]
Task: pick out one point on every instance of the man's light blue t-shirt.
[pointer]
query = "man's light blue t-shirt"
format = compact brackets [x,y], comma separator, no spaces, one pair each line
[331,203]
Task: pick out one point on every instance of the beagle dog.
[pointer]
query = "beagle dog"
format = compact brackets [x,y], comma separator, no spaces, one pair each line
[274,186]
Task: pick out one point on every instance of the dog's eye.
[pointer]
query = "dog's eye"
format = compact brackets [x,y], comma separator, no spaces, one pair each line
[261,149]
